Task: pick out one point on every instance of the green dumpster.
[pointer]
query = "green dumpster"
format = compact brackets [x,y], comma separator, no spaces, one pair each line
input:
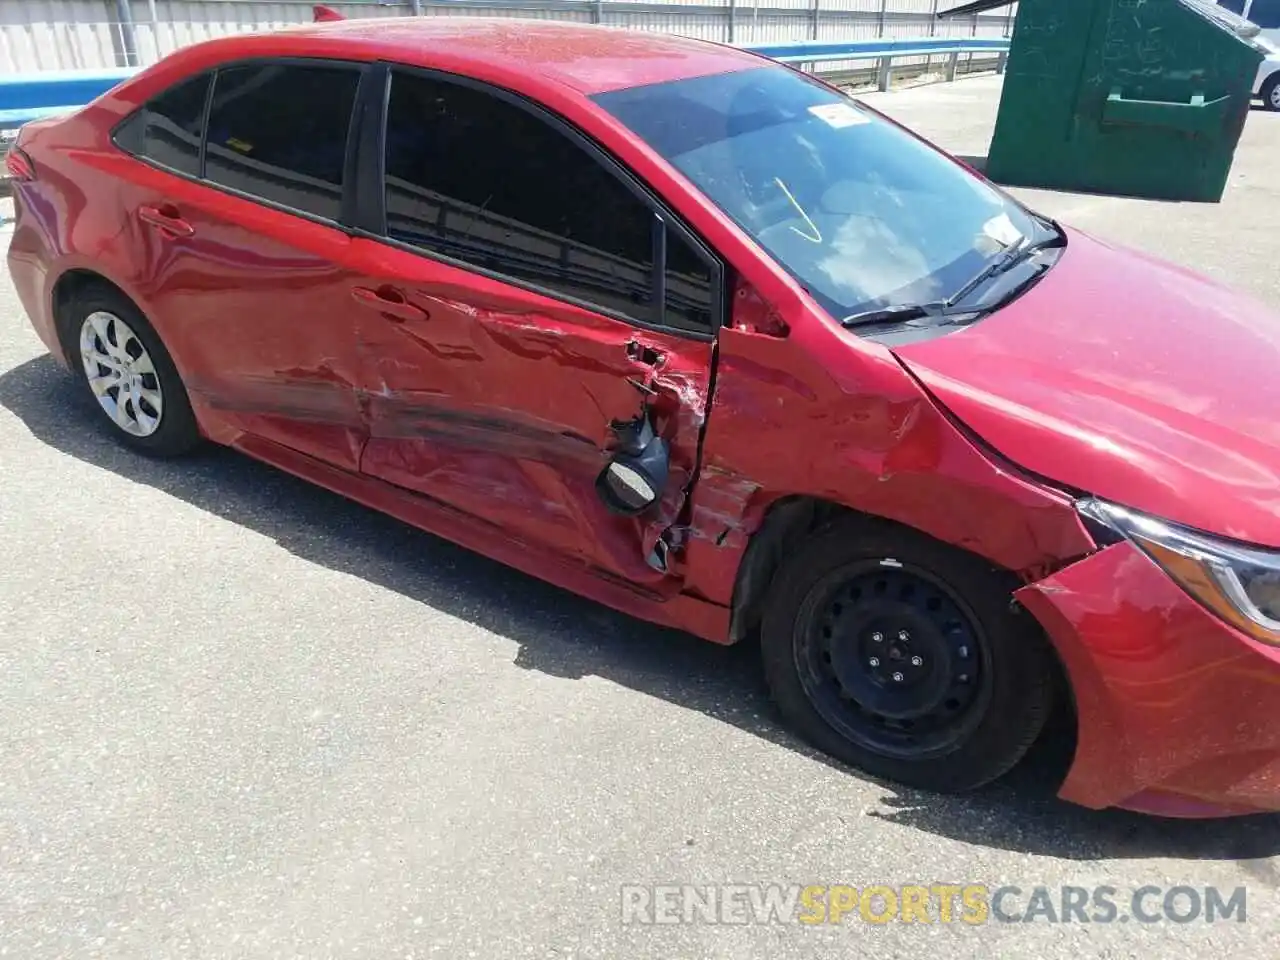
[1141,98]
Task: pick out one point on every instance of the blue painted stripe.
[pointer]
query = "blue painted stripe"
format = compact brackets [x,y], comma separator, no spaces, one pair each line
[56,89]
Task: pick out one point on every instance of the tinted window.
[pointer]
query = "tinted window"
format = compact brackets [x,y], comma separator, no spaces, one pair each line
[862,213]
[279,131]
[480,180]
[167,129]
[689,282]
[1265,13]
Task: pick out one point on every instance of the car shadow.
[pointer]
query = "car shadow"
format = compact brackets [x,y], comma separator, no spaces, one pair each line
[566,636]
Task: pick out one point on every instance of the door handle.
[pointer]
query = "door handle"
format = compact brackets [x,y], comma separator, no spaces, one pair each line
[644,354]
[389,302]
[167,218]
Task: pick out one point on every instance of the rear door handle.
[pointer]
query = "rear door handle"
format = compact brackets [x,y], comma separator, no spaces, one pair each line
[167,218]
[389,302]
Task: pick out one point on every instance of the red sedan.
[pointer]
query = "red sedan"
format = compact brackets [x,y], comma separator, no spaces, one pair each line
[699,337]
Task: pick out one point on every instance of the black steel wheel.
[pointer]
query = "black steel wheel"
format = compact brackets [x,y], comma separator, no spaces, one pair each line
[892,659]
[903,657]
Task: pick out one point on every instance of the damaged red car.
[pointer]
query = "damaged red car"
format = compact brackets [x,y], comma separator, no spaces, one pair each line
[699,337]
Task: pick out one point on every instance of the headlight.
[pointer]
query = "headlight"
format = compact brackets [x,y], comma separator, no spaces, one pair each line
[1241,584]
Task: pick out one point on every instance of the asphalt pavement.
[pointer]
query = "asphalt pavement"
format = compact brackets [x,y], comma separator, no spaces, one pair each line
[242,717]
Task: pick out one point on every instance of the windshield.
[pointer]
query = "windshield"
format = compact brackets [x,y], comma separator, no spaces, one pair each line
[860,212]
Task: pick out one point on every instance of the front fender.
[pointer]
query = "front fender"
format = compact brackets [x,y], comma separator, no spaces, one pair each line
[821,415]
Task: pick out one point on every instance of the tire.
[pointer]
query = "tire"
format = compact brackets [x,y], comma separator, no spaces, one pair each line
[102,326]
[985,670]
[1271,92]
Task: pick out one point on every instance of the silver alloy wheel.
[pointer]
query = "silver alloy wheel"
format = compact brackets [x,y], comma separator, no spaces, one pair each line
[121,374]
[1275,97]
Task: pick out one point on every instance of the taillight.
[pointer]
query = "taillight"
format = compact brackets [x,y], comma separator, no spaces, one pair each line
[19,165]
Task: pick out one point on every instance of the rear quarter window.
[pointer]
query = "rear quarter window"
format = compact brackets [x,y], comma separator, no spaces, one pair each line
[167,129]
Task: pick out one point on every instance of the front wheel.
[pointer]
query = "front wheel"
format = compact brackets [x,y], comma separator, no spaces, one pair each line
[903,657]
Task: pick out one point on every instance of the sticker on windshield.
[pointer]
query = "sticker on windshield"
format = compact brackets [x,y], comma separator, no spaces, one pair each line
[839,114]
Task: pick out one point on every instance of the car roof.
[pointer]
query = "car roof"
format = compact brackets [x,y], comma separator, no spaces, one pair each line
[587,58]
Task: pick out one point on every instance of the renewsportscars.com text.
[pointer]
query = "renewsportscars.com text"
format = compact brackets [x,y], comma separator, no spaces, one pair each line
[972,904]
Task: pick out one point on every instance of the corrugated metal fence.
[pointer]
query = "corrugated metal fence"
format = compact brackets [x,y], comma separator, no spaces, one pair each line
[73,34]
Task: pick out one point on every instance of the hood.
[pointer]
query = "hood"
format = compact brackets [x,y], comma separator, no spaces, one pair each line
[1130,378]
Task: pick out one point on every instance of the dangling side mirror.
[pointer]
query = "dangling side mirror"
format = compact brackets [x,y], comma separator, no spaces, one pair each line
[634,478]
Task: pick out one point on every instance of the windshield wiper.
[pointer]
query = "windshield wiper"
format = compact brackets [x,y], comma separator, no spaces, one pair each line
[1005,260]
[897,313]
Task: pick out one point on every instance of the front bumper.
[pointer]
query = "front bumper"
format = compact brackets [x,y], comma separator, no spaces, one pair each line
[1178,714]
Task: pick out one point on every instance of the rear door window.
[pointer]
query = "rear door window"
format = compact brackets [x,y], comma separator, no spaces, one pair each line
[278,131]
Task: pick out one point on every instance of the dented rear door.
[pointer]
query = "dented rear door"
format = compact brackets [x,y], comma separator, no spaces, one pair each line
[242,264]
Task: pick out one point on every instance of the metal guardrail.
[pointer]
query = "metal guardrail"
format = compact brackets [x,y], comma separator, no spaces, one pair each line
[31,96]
[813,51]
[885,50]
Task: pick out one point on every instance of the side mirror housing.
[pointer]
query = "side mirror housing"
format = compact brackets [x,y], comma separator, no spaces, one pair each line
[635,477]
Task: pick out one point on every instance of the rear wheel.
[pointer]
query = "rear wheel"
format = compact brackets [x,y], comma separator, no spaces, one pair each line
[129,373]
[903,657]
[1271,92]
